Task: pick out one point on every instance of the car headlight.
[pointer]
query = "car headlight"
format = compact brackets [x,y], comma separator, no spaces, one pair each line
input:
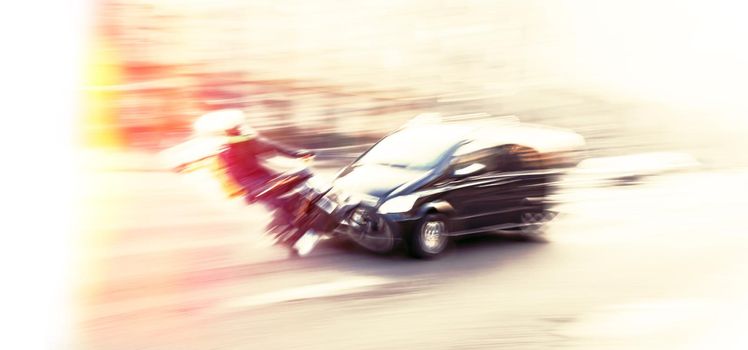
[349,198]
[366,199]
[399,204]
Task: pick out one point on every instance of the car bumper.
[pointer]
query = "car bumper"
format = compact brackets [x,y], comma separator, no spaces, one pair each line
[399,224]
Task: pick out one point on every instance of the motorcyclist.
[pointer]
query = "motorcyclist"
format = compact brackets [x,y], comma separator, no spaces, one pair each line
[243,149]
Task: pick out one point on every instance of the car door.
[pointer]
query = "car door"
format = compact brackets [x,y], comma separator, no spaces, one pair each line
[513,179]
[493,194]
[468,187]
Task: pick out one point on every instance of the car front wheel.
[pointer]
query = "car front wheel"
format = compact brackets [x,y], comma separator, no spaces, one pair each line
[430,238]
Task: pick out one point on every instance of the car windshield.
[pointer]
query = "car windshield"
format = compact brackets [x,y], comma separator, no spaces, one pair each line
[418,148]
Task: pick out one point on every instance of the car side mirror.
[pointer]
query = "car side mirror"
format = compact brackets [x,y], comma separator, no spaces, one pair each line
[469,170]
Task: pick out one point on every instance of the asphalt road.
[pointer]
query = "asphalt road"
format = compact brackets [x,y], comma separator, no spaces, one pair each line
[659,264]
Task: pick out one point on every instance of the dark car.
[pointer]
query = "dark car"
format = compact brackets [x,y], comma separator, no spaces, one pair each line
[424,184]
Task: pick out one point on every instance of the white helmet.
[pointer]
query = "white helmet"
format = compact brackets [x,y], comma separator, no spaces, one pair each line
[221,123]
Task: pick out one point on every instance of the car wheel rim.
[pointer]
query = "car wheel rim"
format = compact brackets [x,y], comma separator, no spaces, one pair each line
[433,236]
[533,222]
[381,241]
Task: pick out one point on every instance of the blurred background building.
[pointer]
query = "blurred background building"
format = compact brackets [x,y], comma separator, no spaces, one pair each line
[327,73]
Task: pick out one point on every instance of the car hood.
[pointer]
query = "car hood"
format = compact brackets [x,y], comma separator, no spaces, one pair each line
[376,180]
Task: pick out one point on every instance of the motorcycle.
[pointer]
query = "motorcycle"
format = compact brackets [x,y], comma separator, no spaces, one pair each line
[293,197]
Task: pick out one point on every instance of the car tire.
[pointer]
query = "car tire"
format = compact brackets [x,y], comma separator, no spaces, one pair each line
[381,242]
[534,224]
[429,239]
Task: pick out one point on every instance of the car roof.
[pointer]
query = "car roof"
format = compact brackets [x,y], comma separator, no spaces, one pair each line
[491,132]
[452,132]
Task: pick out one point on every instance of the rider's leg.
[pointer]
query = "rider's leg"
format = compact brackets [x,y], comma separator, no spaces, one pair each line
[252,186]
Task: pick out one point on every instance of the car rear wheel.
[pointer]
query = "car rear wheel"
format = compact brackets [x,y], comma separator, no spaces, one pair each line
[534,223]
[430,238]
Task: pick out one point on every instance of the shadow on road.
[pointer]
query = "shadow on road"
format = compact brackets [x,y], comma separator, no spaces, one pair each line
[467,255]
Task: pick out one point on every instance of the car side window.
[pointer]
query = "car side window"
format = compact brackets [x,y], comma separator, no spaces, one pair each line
[519,158]
[504,158]
[507,160]
[474,152]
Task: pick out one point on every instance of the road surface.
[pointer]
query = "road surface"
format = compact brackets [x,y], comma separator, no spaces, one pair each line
[659,264]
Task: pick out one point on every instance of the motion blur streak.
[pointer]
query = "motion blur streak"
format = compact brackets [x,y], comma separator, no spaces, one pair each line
[642,73]
[647,250]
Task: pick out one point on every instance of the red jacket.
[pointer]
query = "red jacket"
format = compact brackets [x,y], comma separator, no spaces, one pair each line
[243,158]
